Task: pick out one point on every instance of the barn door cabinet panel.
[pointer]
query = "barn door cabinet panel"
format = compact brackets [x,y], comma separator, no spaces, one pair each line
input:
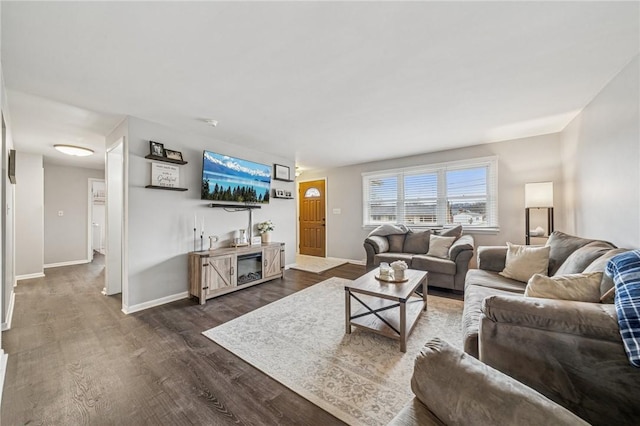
[221,271]
[272,261]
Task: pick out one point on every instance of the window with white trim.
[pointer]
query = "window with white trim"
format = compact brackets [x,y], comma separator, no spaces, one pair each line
[452,193]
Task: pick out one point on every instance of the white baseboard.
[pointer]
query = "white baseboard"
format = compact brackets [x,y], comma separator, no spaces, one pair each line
[356,262]
[29,276]
[157,302]
[3,370]
[69,263]
[7,324]
[291,265]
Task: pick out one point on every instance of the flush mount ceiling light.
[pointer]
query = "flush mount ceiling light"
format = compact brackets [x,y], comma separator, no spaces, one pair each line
[211,122]
[78,151]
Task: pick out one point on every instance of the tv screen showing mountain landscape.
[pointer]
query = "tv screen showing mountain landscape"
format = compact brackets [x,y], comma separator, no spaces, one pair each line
[232,180]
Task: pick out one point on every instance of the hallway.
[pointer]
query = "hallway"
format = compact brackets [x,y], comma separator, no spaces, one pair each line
[75,358]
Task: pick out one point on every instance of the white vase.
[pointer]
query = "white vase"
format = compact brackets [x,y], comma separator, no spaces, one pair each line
[398,274]
[266,237]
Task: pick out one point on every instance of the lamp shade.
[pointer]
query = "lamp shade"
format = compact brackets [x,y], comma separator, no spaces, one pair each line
[539,194]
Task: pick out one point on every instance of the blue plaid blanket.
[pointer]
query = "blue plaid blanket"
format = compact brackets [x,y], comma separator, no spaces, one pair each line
[625,271]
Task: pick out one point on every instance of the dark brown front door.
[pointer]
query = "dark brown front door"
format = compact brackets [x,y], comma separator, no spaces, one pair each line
[312,220]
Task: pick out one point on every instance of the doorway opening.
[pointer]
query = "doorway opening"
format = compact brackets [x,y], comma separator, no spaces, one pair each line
[312,231]
[97,218]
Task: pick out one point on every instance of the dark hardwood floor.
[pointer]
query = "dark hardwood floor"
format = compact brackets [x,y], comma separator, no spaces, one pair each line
[75,358]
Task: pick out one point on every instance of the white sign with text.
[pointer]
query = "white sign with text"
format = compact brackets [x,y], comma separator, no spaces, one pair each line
[165,175]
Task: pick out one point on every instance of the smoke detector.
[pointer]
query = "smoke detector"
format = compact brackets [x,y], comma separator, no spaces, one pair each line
[211,122]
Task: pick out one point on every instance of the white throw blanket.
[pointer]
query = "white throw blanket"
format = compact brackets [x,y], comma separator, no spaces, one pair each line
[384,230]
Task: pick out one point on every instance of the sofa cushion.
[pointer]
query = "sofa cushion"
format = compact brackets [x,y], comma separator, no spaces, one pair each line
[577,287]
[396,243]
[600,264]
[416,242]
[392,257]
[380,244]
[524,261]
[490,279]
[562,245]
[433,264]
[473,297]
[456,231]
[439,246]
[583,257]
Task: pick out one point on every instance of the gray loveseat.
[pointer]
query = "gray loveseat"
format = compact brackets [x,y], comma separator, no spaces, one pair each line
[571,352]
[412,247]
[453,388]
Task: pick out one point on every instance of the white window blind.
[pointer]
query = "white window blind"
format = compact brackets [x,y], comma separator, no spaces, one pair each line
[462,192]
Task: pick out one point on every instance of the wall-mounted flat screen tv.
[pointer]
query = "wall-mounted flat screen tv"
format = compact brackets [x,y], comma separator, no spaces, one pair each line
[231,180]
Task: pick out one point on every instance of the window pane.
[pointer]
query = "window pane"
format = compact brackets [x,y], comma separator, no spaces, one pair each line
[420,199]
[383,195]
[311,193]
[467,196]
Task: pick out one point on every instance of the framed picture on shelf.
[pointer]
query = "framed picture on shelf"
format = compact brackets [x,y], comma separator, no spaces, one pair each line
[174,155]
[288,194]
[157,148]
[279,193]
[281,172]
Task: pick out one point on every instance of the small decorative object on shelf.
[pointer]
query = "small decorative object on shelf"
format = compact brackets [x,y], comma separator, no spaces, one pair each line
[282,193]
[173,155]
[213,239]
[156,148]
[265,228]
[399,266]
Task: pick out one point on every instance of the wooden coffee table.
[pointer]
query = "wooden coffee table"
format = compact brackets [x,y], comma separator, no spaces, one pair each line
[390,309]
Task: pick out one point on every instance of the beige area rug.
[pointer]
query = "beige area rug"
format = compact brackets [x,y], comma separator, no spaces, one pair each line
[300,341]
[316,264]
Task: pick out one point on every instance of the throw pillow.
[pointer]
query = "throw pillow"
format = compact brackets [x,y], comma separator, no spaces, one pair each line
[416,242]
[396,242]
[578,261]
[456,231]
[562,245]
[523,262]
[439,246]
[576,287]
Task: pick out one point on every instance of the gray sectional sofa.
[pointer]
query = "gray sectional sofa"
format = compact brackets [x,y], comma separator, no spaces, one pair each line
[569,351]
[412,247]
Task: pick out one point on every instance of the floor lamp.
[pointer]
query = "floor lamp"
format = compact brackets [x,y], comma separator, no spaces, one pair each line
[538,195]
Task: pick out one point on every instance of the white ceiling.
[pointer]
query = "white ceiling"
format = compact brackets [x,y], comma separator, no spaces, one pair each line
[326,83]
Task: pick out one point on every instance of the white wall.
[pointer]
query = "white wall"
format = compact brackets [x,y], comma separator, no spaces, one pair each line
[160,223]
[29,220]
[116,177]
[601,154]
[520,161]
[66,189]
